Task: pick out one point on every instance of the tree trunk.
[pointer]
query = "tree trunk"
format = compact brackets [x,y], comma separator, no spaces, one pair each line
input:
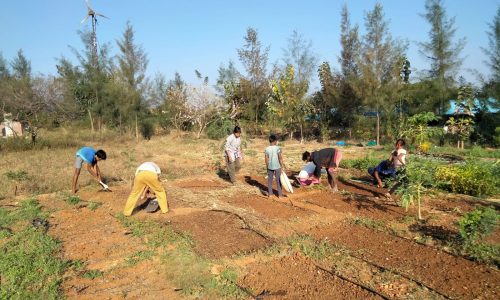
[91,120]
[301,133]
[136,128]
[378,129]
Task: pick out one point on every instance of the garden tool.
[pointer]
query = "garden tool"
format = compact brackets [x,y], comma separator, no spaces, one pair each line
[105,187]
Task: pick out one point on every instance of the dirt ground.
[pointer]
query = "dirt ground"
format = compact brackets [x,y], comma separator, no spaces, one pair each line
[379,254]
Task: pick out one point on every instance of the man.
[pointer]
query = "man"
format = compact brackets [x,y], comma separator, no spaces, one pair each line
[328,158]
[146,180]
[232,153]
[90,157]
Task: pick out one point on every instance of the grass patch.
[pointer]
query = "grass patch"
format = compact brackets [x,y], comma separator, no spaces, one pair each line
[378,225]
[29,263]
[93,274]
[311,248]
[139,256]
[93,205]
[360,163]
[73,200]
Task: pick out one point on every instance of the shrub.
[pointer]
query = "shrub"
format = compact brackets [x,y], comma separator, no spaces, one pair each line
[360,163]
[147,129]
[474,227]
[471,178]
[220,129]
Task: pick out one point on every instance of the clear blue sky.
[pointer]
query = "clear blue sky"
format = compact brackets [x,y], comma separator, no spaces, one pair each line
[186,35]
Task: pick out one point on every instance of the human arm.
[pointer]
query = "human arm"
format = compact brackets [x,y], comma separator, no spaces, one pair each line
[266,160]
[94,171]
[280,158]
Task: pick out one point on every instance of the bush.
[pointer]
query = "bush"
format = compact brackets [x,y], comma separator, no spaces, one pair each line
[147,129]
[474,227]
[220,129]
[471,178]
[360,163]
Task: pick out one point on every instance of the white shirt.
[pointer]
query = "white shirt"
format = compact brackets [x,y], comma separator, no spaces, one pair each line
[400,160]
[307,170]
[232,146]
[148,166]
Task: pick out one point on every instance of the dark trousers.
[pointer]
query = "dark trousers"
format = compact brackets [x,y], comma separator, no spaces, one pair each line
[270,174]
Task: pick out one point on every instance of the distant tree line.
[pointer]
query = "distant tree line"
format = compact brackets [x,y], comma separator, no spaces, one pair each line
[372,94]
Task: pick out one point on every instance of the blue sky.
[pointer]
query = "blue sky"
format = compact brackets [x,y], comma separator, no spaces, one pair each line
[181,36]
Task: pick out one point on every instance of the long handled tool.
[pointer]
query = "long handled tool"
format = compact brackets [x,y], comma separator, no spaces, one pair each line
[105,187]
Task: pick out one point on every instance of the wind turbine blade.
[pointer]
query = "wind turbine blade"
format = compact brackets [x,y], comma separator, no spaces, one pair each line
[98,14]
[88,4]
[84,19]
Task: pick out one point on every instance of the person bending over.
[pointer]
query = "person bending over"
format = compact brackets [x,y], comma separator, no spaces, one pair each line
[328,158]
[90,157]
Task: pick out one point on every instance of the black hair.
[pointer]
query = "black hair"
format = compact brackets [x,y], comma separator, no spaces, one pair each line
[272,138]
[101,154]
[306,155]
[401,142]
[237,129]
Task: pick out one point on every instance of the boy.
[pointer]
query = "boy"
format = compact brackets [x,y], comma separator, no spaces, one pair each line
[90,157]
[232,153]
[146,180]
[274,165]
[328,158]
[387,168]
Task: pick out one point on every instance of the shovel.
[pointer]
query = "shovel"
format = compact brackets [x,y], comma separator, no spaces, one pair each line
[105,187]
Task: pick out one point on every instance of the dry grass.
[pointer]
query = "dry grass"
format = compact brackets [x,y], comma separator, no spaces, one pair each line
[178,154]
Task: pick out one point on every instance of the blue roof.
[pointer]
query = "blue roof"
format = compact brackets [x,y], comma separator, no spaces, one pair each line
[453,106]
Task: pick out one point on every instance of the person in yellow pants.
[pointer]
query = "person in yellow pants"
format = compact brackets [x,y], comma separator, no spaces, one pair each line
[146,177]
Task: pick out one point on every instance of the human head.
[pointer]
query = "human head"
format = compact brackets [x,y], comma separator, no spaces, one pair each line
[237,131]
[273,139]
[100,154]
[306,156]
[400,143]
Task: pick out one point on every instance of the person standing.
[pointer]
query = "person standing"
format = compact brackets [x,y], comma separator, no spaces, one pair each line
[274,165]
[232,153]
[90,157]
[328,158]
[146,180]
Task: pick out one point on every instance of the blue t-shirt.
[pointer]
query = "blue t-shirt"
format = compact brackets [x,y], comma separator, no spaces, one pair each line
[87,154]
[272,153]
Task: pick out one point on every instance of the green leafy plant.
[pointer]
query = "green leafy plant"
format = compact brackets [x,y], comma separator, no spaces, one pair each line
[147,129]
[472,178]
[73,200]
[94,205]
[474,227]
[93,274]
[360,163]
[417,128]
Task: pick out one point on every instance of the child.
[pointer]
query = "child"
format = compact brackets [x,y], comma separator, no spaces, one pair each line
[306,175]
[274,164]
[387,168]
[90,157]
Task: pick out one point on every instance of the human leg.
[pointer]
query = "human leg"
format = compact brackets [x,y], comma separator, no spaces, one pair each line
[277,173]
[151,180]
[331,179]
[75,180]
[237,165]
[137,190]
[231,170]
[270,174]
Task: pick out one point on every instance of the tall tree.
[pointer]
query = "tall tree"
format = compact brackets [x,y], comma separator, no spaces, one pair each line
[299,55]
[254,59]
[132,64]
[493,58]
[441,50]
[379,66]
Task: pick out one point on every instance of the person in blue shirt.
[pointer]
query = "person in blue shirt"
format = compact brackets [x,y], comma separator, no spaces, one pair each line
[90,157]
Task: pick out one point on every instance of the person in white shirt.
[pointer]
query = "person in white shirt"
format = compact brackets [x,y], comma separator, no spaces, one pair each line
[233,154]
[146,180]
[388,168]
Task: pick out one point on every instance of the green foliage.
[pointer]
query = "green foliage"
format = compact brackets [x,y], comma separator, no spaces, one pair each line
[368,223]
[226,285]
[417,128]
[472,178]
[73,200]
[311,248]
[22,144]
[94,205]
[20,175]
[30,267]
[147,129]
[139,256]
[474,227]
[93,274]
[360,163]
[219,129]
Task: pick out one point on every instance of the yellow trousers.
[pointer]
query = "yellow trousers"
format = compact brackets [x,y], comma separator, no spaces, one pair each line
[142,180]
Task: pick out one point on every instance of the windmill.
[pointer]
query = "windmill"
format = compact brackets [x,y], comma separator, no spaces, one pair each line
[93,15]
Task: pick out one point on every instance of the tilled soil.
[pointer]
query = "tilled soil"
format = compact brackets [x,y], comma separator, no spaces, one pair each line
[453,276]
[297,277]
